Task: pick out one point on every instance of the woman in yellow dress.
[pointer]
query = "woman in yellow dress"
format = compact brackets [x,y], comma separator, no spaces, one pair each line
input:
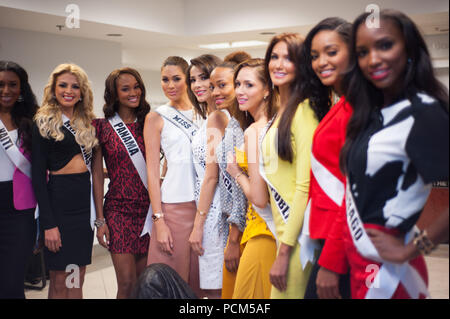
[286,151]
[258,242]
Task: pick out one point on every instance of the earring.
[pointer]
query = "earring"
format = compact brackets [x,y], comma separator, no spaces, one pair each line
[20,98]
[265,98]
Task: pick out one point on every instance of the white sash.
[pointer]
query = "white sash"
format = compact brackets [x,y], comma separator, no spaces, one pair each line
[175,117]
[87,157]
[224,175]
[389,275]
[227,182]
[329,183]
[335,190]
[266,214]
[136,157]
[13,152]
[307,245]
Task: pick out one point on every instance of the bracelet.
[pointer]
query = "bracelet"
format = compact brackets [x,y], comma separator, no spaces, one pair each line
[99,222]
[201,213]
[423,243]
[237,175]
[157,216]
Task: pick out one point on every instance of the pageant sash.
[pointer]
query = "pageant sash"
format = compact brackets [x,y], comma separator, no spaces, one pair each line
[335,190]
[13,152]
[227,182]
[19,160]
[390,275]
[266,214]
[175,117]
[283,207]
[329,183]
[136,157]
[307,245]
[87,157]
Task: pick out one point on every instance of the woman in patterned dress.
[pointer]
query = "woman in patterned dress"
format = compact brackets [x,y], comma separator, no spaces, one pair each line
[218,125]
[126,202]
[206,187]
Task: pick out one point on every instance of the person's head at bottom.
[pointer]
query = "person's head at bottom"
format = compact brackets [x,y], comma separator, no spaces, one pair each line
[160,281]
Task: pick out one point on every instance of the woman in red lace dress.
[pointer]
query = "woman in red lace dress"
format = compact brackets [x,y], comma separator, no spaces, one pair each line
[120,220]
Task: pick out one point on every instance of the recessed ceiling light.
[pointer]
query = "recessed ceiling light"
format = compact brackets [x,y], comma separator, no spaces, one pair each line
[236,44]
[243,44]
[114,35]
[216,46]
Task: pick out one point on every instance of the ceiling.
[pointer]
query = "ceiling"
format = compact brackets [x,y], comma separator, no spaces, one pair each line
[152,30]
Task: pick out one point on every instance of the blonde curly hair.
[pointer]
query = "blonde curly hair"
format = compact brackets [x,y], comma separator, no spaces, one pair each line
[49,116]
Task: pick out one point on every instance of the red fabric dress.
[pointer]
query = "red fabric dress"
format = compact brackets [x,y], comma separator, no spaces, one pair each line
[328,140]
[127,201]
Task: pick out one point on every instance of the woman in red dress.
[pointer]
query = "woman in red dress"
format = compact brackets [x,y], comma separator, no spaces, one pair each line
[122,216]
[326,55]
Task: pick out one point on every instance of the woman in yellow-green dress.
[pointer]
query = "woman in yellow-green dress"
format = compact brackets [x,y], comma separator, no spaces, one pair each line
[286,151]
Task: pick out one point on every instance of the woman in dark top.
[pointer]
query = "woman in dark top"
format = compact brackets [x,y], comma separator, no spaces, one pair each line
[17,202]
[63,139]
[396,146]
[121,219]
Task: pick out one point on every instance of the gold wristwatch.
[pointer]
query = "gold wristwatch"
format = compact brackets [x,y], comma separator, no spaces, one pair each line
[157,216]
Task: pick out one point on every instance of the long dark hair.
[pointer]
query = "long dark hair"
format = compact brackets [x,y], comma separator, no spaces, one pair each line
[24,109]
[206,63]
[294,43]
[112,102]
[318,94]
[366,98]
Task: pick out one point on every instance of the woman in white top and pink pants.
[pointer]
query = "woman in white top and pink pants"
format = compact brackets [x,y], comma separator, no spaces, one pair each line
[173,201]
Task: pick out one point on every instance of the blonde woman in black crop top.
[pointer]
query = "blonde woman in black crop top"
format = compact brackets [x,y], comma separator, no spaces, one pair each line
[61,151]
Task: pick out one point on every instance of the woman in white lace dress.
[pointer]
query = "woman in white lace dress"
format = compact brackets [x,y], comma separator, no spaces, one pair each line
[206,238]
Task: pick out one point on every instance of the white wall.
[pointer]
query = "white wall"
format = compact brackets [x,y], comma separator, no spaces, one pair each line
[39,53]
[152,15]
[152,81]
[209,16]
[442,75]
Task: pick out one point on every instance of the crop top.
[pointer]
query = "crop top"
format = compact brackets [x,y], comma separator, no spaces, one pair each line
[49,155]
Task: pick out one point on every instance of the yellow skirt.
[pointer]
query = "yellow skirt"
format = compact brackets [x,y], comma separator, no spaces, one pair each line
[251,281]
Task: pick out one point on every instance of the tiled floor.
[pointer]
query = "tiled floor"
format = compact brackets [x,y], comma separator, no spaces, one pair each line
[100,281]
